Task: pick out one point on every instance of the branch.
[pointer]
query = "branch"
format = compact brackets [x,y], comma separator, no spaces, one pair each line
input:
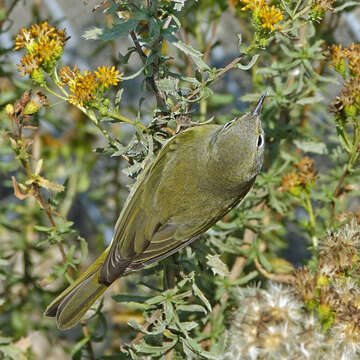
[283,278]
[43,205]
[160,99]
[89,344]
[228,67]
[11,8]
[336,194]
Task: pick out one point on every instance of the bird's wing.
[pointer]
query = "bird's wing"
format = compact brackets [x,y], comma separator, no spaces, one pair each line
[168,240]
[133,217]
[144,233]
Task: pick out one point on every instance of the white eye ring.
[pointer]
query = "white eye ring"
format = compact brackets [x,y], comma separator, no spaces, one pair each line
[260,141]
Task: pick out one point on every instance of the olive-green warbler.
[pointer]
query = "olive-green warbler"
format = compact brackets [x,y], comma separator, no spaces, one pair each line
[197,177]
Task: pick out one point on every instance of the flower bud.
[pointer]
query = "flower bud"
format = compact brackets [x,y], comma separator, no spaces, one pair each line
[340,67]
[31,108]
[38,76]
[103,110]
[323,280]
[36,102]
[350,110]
[9,109]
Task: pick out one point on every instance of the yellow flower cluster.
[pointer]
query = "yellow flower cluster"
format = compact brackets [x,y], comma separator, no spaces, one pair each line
[43,44]
[268,15]
[253,4]
[319,8]
[86,86]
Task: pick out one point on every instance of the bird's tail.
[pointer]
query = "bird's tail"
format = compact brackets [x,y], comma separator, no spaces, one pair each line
[73,302]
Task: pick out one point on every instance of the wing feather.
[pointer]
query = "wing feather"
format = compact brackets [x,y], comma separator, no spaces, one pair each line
[128,240]
[145,232]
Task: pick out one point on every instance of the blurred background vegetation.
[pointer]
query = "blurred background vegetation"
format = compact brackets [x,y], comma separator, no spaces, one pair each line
[76,132]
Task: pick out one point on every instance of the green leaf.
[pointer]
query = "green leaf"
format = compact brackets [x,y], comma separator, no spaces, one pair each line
[132,169]
[155,300]
[75,352]
[169,311]
[155,350]
[5,340]
[251,63]
[155,330]
[217,265]
[195,55]
[195,348]
[220,99]
[117,30]
[264,262]
[93,34]
[309,100]
[83,248]
[168,85]
[201,296]
[179,4]
[251,97]
[345,5]
[43,228]
[4,262]
[118,96]
[245,279]
[191,308]
[12,352]
[312,147]
[189,325]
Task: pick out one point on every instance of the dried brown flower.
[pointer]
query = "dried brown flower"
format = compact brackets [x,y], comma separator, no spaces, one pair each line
[304,176]
[324,5]
[306,283]
[349,99]
[352,53]
[289,181]
[307,175]
[338,56]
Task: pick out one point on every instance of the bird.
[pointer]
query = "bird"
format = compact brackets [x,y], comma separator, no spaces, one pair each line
[198,176]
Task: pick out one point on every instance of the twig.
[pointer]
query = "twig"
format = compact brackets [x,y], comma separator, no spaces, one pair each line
[234,273]
[161,103]
[44,206]
[220,73]
[156,315]
[11,8]
[89,344]
[124,119]
[209,45]
[228,67]
[169,354]
[336,194]
[283,278]
[352,158]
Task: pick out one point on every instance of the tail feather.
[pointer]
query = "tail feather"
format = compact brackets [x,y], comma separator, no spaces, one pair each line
[72,303]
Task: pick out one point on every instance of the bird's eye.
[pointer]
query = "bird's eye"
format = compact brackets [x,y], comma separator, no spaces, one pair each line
[260,141]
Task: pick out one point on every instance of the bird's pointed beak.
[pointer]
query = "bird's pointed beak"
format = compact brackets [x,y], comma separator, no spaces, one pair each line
[257,110]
